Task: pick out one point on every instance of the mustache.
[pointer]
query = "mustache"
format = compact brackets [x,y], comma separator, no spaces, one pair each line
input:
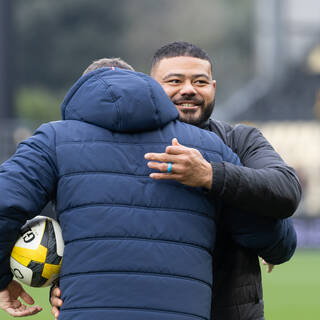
[188,100]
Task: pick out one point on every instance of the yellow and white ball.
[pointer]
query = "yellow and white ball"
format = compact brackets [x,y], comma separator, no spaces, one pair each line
[37,255]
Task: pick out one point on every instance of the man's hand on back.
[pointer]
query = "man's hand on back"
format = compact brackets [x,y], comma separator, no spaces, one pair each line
[188,166]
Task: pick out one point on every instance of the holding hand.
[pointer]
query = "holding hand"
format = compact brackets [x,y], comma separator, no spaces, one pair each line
[185,165]
[10,303]
[56,302]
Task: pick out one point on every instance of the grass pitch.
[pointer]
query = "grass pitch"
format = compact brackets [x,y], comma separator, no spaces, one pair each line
[291,291]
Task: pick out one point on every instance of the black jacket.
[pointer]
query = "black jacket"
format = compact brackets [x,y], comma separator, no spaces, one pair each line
[264,186]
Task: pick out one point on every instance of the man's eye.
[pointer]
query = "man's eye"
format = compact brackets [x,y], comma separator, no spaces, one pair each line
[174,81]
[201,82]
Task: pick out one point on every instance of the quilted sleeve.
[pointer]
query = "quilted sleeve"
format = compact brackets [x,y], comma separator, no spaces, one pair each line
[27,183]
[272,239]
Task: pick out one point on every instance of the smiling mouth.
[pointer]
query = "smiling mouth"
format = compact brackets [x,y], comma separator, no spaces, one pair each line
[187,106]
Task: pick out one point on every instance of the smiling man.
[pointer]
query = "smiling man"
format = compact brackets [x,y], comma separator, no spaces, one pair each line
[265,186]
[188,83]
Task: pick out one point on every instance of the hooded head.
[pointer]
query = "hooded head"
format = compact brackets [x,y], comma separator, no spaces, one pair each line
[119,100]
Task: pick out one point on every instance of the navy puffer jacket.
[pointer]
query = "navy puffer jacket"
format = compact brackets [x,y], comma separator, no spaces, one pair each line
[135,248]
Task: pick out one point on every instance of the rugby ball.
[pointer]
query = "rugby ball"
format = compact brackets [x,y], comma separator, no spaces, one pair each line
[37,255]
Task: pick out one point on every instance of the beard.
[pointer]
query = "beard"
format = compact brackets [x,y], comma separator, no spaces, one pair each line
[191,116]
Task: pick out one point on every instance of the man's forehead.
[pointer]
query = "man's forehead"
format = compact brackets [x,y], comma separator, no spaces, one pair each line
[183,65]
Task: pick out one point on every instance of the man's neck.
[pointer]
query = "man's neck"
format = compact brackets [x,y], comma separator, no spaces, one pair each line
[204,124]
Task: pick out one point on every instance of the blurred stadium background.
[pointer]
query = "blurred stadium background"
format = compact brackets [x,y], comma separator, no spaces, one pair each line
[267,66]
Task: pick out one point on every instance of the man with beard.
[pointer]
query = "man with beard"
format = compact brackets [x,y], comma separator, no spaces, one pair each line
[266,186]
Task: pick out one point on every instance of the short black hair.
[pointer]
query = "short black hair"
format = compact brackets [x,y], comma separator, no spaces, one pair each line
[178,49]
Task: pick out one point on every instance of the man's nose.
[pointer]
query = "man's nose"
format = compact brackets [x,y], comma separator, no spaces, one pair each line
[188,89]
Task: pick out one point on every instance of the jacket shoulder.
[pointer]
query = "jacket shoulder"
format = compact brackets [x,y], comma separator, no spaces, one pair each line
[238,136]
[221,128]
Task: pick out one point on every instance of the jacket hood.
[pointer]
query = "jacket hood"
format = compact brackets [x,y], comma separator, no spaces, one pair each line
[119,100]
